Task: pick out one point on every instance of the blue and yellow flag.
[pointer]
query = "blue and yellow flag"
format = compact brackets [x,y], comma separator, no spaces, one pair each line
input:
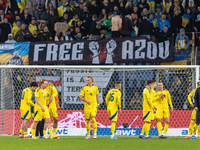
[186,19]
[14,53]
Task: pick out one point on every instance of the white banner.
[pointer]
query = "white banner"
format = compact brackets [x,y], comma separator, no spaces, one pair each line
[74,80]
[55,80]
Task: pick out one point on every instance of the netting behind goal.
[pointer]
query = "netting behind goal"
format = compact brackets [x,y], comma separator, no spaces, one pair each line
[69,81]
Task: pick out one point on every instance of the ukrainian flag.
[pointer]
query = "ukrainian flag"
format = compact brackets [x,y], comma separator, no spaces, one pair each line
[21,4]
[60,9]
[186,19]
[179,59]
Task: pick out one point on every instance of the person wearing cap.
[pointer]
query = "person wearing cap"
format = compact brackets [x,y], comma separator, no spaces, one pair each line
[40,15]
[89,95]
[160,9]
[10,39]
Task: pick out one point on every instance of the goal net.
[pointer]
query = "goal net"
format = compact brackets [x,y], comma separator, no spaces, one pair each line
[68,80]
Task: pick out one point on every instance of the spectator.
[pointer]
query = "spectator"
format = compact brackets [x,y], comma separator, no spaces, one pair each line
[29,6]
[86,18]
[127,29]
[93,8]
[197,20]
[32,27]
[95,28]
[69,12]
[158,13]
[106,6]
[174,7]
[45,35]
[136,101]
[164,35]
[17,18]
[68,36]
[129,8]
[40,15]
[80,10]
[35,37]
[57,36]
[51,7]
[141,5]
[107,24]
[176,22]
[182,41]
[122,8]
[136,12]
[73,22]
[188,20]
[23,34]
[163,22]
[65,18]
[192,6]
[102,16]
[16,27]
[79,36]
[38,3]
[145,28]
[152,20]
[26,17]
[115,12]
[52,19]
[116,25]
[10,39]
[5,29]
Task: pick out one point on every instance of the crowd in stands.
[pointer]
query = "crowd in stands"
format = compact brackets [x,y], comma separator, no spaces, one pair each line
[34,20]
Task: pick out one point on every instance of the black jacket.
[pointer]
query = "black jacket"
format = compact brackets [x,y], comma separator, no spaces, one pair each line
[95,30]
[196,101]
[145,27]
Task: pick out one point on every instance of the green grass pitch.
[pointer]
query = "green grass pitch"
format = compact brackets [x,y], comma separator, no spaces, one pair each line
[102,143]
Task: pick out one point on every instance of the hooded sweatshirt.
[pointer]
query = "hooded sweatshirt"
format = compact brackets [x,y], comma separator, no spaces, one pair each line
[182,40]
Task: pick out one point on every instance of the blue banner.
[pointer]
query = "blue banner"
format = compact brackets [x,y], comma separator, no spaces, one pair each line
[14,53]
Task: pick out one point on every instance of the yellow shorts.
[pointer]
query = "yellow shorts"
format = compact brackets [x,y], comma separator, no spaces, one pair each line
[53,112]
[164,113]
[25,114]
[113,114]
[147,116]
[90,112]
[39,115]
[193,116]
[156,115]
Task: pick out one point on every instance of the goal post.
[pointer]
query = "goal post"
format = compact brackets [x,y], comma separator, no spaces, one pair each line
[68,80]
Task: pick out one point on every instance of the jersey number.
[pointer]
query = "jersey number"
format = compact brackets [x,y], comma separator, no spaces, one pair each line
[111,97]
[23,95]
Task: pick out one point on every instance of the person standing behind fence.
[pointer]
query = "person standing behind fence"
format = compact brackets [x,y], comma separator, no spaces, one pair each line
[182,41]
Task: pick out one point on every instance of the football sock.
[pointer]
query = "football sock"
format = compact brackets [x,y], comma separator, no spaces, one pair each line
[194,128]
[166,128]
[199,130]
[191,127]
[143,129]
[50,132]
[54,130]
[94,125]
[148,125]
[21,131]
[159,127]
[88,127]
[25,133]
[44,132]
[33,131]
[112,129]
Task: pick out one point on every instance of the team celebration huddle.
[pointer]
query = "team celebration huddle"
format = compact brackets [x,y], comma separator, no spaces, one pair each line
[155,107]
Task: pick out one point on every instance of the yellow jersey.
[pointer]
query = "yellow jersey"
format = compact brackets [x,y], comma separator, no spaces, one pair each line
[190,96]
[164,103]
[42,95]
[90,94]
[15,29]
[26,99]
[113,99]
[147,100]
[155,97]
[51,91]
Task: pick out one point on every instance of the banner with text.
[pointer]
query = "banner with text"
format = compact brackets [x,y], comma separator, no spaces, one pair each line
[101,52]
[74,80]
[14,53]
